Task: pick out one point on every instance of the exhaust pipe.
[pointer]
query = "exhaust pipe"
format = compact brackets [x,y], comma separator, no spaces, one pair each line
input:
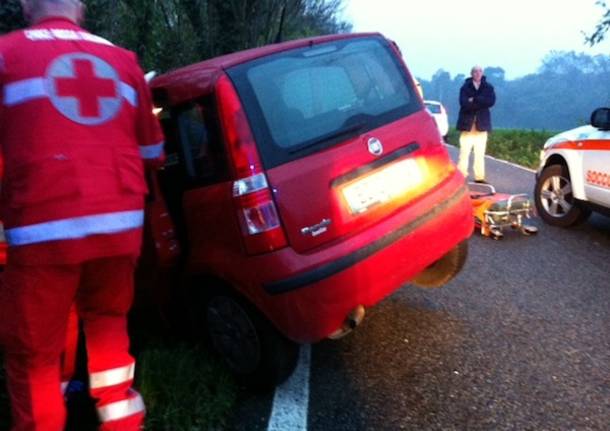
[352,321]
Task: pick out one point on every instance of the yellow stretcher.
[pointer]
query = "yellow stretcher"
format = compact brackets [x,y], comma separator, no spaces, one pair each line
[494,212]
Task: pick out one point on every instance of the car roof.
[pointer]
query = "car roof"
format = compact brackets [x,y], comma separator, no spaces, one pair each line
[187,83]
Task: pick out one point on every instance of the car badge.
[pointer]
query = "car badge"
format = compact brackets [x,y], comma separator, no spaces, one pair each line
[317,229]
[375,147]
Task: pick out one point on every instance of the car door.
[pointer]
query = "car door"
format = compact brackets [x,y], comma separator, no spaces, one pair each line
[596,169]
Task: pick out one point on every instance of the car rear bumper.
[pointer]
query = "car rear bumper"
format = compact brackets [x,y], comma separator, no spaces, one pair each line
[344,262]
[309,305]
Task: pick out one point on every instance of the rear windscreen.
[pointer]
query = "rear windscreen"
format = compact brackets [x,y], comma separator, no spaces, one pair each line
[306,99]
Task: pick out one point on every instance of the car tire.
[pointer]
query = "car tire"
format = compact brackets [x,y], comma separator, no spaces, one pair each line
[554,200]
[443,270]
[251,347]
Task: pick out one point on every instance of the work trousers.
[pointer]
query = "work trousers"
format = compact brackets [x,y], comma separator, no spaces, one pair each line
[469,141]
[35,303]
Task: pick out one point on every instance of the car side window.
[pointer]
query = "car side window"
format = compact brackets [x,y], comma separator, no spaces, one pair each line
[201,154]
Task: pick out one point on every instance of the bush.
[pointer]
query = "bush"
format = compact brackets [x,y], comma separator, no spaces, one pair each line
[517,146]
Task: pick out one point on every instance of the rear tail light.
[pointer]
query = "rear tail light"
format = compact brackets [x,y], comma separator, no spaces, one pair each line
[258,216]
[261,218]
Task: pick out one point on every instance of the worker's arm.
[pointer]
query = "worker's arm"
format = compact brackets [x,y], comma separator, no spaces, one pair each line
[150,135]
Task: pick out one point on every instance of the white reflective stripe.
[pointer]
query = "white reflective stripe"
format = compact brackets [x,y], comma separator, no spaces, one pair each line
[112,377]
[152,151]
[89,37]
[44,34]
[74,228]
[64,387]
[65,34]
[19,92]
[129,93]
[121,409]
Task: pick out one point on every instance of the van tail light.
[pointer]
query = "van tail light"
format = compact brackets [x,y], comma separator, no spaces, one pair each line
[257,213]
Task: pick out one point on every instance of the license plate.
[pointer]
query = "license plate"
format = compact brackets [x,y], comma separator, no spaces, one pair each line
[383,186]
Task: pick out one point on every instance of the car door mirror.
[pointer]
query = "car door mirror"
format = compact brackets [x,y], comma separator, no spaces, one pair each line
[600,118]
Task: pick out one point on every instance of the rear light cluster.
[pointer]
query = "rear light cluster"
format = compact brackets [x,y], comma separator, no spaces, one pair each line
[260,223]
[259,213]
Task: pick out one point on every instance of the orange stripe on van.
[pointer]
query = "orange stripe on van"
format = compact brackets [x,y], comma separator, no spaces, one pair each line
[590,145]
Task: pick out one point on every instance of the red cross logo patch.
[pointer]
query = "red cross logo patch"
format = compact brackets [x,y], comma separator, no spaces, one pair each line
[84,88]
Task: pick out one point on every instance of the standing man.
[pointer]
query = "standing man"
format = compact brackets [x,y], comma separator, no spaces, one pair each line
[75,123]
[476,97]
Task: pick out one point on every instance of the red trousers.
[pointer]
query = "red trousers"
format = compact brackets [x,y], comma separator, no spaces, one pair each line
[36,303]
[70,354]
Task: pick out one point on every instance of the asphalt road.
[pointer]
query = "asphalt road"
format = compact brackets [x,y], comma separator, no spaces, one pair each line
[520,340]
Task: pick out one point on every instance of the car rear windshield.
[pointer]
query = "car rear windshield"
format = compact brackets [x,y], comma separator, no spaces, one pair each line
[301,101]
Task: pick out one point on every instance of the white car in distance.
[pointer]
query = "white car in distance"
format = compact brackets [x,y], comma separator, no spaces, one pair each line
[439,113]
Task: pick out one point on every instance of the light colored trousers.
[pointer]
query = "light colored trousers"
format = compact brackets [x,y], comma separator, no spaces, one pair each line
[468,141]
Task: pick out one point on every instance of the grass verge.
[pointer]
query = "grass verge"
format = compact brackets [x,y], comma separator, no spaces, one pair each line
[518,146]
[185,388]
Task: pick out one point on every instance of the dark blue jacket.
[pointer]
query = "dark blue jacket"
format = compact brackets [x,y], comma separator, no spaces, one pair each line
[477,110]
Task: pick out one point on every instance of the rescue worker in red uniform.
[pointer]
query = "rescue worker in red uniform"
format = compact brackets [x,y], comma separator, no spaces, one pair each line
[76,123]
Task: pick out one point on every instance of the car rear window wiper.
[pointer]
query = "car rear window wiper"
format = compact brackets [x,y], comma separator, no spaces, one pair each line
[351,129]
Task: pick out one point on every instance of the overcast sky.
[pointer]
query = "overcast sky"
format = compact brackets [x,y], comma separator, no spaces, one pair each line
[456,34]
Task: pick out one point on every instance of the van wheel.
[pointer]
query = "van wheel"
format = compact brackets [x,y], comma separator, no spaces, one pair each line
[250,346]
[445,269]
[555,200]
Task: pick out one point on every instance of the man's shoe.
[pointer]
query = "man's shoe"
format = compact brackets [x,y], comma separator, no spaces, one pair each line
[481,182]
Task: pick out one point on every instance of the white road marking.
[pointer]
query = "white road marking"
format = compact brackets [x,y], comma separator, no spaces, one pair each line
[291,400]
[506,162]
[514,165]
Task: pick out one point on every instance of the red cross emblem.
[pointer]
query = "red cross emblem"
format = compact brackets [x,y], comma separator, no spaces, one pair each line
[84,88]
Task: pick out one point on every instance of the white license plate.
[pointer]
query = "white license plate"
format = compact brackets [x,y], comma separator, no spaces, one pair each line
[383,186]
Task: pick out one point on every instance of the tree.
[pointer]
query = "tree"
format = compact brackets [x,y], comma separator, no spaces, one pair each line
[170,33]
[568,63]
[497,75]
[10,16]
[602,26]
[567,87]
[441,85]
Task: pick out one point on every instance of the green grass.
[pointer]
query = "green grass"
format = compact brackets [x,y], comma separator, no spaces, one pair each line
[185,388]
[517,146]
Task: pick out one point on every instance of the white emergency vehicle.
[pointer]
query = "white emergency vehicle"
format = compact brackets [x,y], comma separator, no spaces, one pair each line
[574,174]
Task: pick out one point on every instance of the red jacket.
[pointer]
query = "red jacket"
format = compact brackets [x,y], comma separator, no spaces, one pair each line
[75,123]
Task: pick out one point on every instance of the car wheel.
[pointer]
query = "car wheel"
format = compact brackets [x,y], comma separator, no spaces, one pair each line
[250,346]
[555,200]
[445,269]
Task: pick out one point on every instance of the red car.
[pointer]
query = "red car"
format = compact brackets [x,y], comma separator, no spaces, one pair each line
[304,182]
[3,245]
